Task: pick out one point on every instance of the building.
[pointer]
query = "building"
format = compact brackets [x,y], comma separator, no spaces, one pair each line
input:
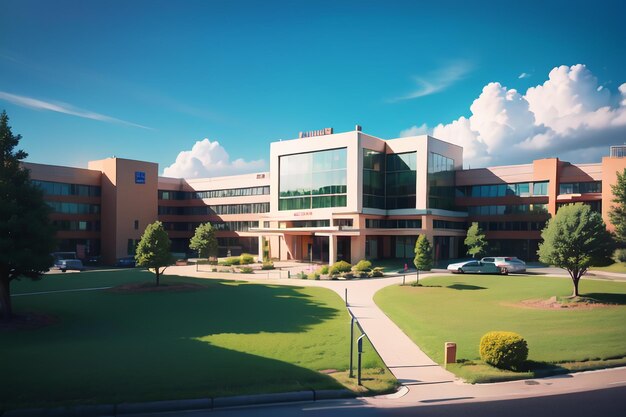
[326,197]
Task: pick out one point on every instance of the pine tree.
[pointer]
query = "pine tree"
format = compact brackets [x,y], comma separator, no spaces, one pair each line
[26,233]
[475,241]
[617,214]
[204,241]
[423,255]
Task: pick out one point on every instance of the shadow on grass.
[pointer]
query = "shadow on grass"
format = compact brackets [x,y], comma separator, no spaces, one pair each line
[607,298]
[144,346]
[463,287]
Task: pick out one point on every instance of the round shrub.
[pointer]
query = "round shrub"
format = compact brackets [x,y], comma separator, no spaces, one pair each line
[619,255]
[267,265]
[246,259]
[323,270]
[505,350]
[233,260]
[339,267]
[362,265]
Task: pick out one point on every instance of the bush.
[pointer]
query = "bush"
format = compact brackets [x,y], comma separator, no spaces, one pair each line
[323,270]
[267,265]
[362,265]
[246,259]
[347,275]
[233,260]
[506,350]
[339,267]
[302,275]
[314,276]
[619,255]
[376,272]
[245,270]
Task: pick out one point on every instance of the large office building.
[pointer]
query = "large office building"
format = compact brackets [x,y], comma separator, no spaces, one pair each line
[327,196]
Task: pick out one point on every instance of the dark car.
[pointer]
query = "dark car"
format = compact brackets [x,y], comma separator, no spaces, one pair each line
[126,262]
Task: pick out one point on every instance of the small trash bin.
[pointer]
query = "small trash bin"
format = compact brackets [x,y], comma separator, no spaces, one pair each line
[450,353]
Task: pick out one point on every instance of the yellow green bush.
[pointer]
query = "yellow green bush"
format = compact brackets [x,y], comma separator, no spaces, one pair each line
[505,350]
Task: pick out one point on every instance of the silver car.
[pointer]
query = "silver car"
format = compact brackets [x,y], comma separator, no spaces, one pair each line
[476,267]
[69,264]
[507,263]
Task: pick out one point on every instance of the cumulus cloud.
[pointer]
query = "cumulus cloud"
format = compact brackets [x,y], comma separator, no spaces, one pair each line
[414,131]
[569,111]
[209,159]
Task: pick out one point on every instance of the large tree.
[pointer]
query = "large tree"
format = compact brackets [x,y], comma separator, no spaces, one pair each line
[575,239]
[204,241]
[153,250]
[423,260]
[617,214]
[475,240]
[26,233]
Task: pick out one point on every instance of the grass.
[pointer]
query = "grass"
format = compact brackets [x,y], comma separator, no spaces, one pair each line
[615,267]
[229,338]
[462,308]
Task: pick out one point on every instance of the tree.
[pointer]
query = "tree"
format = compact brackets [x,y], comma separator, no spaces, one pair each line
[204,241]
[475,241]
[423,255]
[617,214]
[153,250]
[26,233]
[575,239]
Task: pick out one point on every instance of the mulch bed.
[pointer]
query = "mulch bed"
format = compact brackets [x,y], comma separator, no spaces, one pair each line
[553,304]
[151,287]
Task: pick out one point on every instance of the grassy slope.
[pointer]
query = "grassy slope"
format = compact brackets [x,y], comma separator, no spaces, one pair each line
[232,338]
[462,308]
[615,267]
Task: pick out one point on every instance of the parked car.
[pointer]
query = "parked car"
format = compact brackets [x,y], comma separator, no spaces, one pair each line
[508,263]
[475,267]
[126,262]
[69,264]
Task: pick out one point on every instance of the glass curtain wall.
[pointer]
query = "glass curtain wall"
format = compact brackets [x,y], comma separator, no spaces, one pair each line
[440,182]
[313,180]
[373,179]
[401,180]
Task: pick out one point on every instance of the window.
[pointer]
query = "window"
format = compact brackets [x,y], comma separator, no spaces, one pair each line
[136,224]
[580,187]
[58,188]
[373,179]
[401,180]
[441,182]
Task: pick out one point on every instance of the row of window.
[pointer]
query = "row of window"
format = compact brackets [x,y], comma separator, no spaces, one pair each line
[74,208]
[215,209]
[580,187]
[301,203]
[393,224]
[76,225]
[448,224]
[524,189]
[511,226]
[230,192]
[60,188]
[305,223]
[496,210]
[237,226]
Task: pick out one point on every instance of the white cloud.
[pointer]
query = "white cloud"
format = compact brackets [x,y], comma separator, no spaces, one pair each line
[524,75]
[415,131]
[437,81]
[567,112]
[59,107]
[209,159]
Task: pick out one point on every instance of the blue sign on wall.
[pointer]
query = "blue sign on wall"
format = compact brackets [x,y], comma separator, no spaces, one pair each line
[140,177]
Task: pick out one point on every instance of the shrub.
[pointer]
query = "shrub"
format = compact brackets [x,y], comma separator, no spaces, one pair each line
[314,276]
[233,260]
[302,275]
[619,255]
[246,259]
[376,272]
[245,270]
[362,265]
[267,265]
[506,350]
[347,275]
[323,270]
[339,267]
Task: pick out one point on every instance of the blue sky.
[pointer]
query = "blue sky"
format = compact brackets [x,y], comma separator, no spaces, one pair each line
[85,80]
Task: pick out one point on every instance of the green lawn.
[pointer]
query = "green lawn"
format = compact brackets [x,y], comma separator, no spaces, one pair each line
[226,339]
[615,267]
[464,307]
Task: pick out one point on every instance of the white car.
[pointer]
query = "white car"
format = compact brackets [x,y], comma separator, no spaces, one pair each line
[69,264]
[475,267]
[507,263]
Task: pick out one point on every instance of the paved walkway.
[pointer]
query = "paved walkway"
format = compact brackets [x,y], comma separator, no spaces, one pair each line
[423,380]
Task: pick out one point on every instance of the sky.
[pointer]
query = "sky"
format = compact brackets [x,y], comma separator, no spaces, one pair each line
[203,87]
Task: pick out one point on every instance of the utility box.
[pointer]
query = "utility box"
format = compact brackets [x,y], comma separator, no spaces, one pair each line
[450,353]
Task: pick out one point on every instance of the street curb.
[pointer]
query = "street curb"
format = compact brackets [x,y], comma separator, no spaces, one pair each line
[124,409]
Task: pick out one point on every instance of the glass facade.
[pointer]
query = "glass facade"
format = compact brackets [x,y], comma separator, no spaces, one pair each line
[401,180]
[497,210]
[74,208]
[373,179]
[76,225]
[440,182]
[313,180]
[393,224]
[217,209]
[59,188]
[230,192]
[580,187]
[522,189]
